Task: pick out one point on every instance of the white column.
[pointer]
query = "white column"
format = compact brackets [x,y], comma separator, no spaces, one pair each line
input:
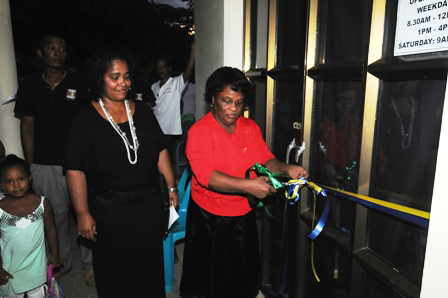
[219,27]
[9,125]
[234,33]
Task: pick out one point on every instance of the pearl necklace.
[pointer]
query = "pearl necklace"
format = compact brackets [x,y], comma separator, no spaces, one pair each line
[405,137]
[122,134]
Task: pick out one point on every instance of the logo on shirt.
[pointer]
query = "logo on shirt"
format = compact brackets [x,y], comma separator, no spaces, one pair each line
[138,96]
[168,91]
[71,94]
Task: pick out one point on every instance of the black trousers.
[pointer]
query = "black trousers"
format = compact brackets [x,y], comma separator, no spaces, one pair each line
[128,253]
[221,256]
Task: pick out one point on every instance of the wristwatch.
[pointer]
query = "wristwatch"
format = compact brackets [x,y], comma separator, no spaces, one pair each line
[173,189]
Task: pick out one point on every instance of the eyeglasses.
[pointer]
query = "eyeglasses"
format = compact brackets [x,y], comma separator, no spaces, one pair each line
[226,103]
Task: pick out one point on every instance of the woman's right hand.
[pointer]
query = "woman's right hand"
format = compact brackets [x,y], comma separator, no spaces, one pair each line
[87,227]
[260,187]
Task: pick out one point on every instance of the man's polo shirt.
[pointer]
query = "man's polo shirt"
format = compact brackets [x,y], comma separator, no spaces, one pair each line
[53,111]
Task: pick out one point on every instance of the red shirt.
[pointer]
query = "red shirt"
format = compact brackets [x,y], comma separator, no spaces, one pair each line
[210,148]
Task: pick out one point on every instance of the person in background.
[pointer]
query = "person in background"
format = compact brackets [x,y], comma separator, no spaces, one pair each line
[341,137]
[221,256]
[141,89]
[115,153]
[47,102]
[25,220]
[144,93]
[168,92]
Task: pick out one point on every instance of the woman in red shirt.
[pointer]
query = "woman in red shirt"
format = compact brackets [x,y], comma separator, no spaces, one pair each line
[221,256]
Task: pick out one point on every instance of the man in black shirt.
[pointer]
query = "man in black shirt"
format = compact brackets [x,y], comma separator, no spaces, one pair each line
[47,102]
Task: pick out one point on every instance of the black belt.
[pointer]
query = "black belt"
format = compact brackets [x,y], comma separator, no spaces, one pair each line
[123,197]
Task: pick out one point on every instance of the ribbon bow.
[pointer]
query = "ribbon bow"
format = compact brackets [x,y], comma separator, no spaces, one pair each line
[292,193]
[261,169]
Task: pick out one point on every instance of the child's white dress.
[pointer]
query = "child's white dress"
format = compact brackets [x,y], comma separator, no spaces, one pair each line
[22,244]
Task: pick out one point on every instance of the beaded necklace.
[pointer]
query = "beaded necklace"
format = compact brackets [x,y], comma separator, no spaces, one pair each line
[122,134]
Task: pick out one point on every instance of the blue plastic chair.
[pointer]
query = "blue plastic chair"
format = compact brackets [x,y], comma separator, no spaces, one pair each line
[177,231]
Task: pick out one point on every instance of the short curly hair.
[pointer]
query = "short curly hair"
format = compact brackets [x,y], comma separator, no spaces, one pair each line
[100,62]
[43,39]
[228,77]
[12,161]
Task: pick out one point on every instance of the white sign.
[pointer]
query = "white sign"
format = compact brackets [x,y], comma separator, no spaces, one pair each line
[422,27]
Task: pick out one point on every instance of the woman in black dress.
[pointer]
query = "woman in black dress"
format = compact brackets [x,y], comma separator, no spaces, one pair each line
[115,153]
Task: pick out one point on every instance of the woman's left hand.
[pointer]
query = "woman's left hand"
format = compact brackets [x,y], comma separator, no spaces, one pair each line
[293,171]
[296,172]
[174,199]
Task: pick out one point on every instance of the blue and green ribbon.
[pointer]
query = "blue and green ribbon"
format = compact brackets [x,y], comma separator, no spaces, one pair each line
[412,215]
[292,193]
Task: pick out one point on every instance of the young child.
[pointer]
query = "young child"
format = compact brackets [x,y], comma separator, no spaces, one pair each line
[25,219]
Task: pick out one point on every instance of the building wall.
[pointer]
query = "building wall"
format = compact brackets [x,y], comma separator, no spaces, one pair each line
[219,41]
[9,126]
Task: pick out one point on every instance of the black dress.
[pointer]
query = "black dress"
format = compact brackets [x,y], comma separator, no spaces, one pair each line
[124,200]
